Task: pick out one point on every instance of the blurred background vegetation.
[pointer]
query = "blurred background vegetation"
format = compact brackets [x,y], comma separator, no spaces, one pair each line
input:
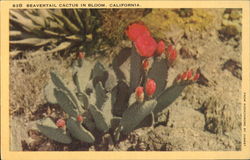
[98,31]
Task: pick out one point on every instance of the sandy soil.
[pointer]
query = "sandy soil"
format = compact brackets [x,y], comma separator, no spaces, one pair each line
[207,116]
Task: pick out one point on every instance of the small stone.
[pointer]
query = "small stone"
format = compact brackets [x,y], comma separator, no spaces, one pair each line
[200,50]
[235,14]
[225,22]
[226,16]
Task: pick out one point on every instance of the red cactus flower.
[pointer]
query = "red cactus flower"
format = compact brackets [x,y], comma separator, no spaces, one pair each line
[135,30]
[178,77]
[139,93]
[160,48]
[145,45]
[150,87]
[145,64]
[196,77]
[60,123]
[171,53]
[81,55]
[79,118]
[184,76]
[189,74]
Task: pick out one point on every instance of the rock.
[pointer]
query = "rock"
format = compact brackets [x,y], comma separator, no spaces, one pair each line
[235,14]
[187,139]
[186,52]
[178,118]
[219,116]
[226,16]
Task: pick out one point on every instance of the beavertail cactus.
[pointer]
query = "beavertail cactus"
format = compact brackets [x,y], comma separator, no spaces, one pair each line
[120,101]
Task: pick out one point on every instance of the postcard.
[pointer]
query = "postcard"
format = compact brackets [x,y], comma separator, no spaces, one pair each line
[125,80]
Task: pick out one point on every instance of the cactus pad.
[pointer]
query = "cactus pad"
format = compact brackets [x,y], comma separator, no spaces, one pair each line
[49,93]
[168,96]
[135,114]
[79,132]
[65,102]
[158,73]
[99,118]
[49,129]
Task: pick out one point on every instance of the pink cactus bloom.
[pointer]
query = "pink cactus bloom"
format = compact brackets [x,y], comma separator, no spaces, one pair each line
[145,64]
[79,118]
[150,87]
[160,48]
[81,55]
[60,123]
[189,74]
[178,77]
[139,93]
[171,53]
[184,76]
[196,77]
[135,30]
[145,45]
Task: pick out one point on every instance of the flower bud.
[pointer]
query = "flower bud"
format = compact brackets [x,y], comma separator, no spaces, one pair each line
[139,93]
[196,77]
[79,118]
[171,54]
[184,76]
[150,87]
[81,55]
[189,74]
[145,64]
[160,48]
[60,123]
[178,78]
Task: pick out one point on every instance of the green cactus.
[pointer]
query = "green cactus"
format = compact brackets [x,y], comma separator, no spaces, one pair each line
[159,72]
[102,115]
[79,132]
[135,114]
[49,129]
[168,96]
[65,102]
[109,100]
